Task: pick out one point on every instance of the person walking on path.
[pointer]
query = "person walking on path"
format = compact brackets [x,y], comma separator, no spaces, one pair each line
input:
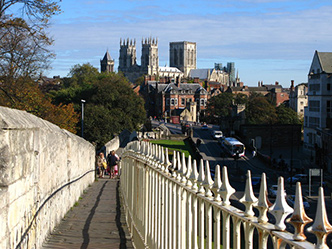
[102,164]
[113,164]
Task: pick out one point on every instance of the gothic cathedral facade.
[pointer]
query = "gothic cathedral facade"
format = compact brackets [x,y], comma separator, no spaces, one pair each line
[149,58]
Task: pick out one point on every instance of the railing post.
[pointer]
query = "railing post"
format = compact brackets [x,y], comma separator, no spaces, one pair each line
[146,205]
[217,228]
[226,239]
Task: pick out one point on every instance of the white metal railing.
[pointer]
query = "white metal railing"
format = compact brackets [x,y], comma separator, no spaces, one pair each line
[172,205]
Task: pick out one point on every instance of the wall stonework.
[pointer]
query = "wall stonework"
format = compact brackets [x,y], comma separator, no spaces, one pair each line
[43,172]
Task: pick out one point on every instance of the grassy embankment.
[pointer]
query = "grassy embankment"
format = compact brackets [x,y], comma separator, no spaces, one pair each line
[178,145]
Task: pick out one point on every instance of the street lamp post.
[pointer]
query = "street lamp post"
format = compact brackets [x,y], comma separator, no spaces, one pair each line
[82,102]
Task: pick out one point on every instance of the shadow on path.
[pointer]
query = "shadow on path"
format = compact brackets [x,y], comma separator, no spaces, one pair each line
[119,224]
[85,231]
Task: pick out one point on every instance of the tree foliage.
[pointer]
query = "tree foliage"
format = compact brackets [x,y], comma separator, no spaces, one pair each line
[23,52]
[260,111]
[24,94]
[220,105]
[24,40]
[287,115]
[111,104]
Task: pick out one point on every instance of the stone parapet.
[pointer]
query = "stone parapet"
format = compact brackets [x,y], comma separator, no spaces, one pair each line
[43,172]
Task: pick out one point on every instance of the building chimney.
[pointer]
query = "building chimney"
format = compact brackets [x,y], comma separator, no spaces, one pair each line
[178,81]
[277,83]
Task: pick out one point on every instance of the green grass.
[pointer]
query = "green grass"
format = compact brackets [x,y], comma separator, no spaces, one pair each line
[178,145]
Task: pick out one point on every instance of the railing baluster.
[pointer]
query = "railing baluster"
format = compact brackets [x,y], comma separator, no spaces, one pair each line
[171,206]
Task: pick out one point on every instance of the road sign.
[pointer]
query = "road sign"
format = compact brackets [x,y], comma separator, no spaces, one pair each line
[315,172]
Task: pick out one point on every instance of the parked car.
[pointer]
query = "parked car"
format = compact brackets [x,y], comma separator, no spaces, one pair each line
[303,178]
[291,199]
[217,134]
[273,190]
[256,181]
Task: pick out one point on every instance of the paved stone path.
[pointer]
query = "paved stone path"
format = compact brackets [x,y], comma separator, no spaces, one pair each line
[97,221]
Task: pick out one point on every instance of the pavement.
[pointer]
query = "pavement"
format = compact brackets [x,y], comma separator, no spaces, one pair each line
[97,220]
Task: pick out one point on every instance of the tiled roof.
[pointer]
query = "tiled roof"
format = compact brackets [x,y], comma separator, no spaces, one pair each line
[200,73]
[325,59]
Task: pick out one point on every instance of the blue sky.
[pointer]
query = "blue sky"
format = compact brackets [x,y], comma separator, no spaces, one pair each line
[267,40]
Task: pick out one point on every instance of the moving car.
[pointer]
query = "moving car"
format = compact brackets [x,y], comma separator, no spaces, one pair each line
[204,127]
[217,134]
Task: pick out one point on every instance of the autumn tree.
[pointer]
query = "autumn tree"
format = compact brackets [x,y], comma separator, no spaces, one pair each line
[24,54]
[24,94]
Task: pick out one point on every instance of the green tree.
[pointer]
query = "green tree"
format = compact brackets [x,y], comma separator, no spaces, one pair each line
[111,104]
[220,106]
[241,99]
[286,115]
[260,111]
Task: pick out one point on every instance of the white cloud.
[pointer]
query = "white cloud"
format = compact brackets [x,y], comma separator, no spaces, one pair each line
[288,36]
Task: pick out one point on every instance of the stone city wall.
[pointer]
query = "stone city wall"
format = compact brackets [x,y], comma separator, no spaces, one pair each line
[43,172]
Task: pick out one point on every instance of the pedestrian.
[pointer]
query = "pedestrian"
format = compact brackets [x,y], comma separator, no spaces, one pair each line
[102,164]
[253,153]
[113,164]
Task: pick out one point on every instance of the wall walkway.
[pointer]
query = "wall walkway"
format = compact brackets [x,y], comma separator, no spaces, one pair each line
[96,221]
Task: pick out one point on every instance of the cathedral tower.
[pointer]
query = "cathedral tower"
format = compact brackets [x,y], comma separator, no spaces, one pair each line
[183,56]
[107,64]
[149,57]
[127,58]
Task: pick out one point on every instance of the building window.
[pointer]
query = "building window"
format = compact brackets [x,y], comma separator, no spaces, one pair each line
[328,106]
[175,102]
[202,102]
[328,86]
[313,122]
[314,106]
[183,101]
[314,87]
[172,102]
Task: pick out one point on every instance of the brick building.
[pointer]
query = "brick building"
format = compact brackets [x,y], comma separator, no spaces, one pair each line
[172,99]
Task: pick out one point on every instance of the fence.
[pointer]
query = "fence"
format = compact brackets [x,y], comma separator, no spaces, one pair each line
[174,205]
